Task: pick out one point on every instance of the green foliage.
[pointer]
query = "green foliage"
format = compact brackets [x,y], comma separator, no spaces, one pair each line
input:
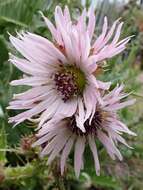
[23,169]
[3,145]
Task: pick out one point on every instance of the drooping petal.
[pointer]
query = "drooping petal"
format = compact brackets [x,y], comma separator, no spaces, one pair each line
[109,145]
[59,145]
[95,154]
[81,115]
[78,155]
[65,110]
[66,152]
[55,141]
[50,111]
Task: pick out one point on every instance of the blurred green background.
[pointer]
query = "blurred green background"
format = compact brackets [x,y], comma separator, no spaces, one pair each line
[20,167]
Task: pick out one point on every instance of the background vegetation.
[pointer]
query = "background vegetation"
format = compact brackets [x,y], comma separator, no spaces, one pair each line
[20,167]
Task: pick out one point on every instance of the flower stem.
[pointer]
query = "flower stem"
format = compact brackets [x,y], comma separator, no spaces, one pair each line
[137,94]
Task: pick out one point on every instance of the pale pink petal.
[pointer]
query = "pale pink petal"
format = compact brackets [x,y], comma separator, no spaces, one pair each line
[34,111]
[49,112]
[115,99]
[118,106]
[59,145]
[65,110]
[93,81]
[20,104]
[109,34]
[91,64]
[18,107]
[59,17]
[81,24]
[67,15]
[114,93]
[43,46]
[117,138]
[78,154]
[60,22]
[30,81]
[81,115]
[104,85]
[124,41]
[76,47]
[27,66]
[124,128]
[100,39]
[29,102]
[93,148]
[89,98]
[84,46]
[66,152]
[52,29]
[47,137]
[32,93]
[109,145]
[49,126]
[91,22]
[51,145]
[117,35]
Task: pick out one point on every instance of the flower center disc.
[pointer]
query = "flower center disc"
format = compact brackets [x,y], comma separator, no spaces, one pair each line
[90,128]
[70,82]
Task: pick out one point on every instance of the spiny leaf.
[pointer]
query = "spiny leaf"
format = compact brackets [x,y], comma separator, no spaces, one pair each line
[3,144]
[3,51]
[5,20]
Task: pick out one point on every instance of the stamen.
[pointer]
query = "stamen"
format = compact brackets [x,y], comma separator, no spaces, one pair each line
[69,82]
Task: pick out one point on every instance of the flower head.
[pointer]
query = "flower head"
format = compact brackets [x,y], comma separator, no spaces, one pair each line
[103,125]
[61,73]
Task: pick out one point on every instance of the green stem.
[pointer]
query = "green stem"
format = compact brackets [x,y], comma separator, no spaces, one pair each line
[137,94]
[61,184]
[59,180]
